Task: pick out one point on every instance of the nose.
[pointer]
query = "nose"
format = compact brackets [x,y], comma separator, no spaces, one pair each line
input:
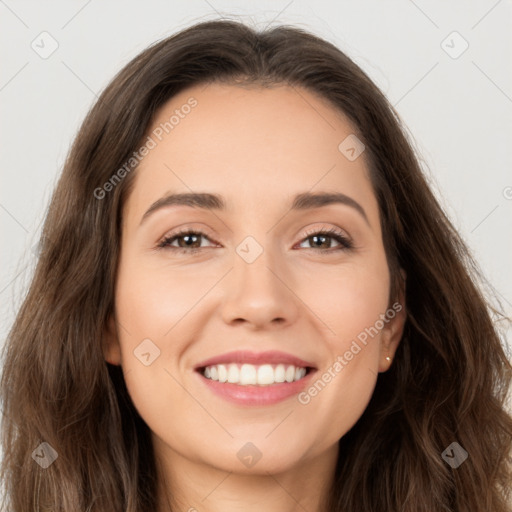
[260,294]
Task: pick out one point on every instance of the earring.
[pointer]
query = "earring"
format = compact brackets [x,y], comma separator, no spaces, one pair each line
[388,358]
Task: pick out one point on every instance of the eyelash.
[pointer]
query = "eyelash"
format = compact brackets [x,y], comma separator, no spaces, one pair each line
[345,242]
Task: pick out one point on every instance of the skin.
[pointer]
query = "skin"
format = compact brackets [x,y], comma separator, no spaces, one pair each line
[258,148]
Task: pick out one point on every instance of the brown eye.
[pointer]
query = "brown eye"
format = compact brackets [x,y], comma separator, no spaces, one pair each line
[320,239]
[188,241]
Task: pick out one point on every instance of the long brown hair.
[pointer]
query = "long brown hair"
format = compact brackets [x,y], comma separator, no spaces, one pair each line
[448,382]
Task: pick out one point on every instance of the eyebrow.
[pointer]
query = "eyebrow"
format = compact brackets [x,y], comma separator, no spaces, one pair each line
[207,201]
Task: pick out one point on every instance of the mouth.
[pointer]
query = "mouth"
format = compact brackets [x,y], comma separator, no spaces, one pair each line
[255,375]
[255,379]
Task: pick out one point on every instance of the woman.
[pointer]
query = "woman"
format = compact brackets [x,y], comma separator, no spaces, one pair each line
[248,298]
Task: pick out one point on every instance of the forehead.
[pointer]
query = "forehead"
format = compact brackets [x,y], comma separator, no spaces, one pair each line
[253,145]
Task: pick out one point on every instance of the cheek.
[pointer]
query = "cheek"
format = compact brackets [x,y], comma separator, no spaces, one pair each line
[167,305]
[171,305]
[160,309]
[348,300]
[152,306]
[153,300]
[351,303]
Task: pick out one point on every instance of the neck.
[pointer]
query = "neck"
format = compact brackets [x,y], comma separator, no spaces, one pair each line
[195,487]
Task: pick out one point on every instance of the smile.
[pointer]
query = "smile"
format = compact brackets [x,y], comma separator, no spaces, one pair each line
[258,375]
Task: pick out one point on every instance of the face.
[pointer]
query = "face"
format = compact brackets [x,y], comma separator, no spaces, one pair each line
[273,285]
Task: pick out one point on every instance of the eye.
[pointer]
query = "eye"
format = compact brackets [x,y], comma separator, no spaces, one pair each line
[189,241]
[320,237]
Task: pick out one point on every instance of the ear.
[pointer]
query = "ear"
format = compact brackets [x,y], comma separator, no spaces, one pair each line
[393,329]
[111,346]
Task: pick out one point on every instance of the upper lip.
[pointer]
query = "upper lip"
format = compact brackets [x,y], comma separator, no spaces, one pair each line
[256,358]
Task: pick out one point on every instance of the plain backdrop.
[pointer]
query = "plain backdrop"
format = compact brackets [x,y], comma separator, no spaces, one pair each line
[445,66]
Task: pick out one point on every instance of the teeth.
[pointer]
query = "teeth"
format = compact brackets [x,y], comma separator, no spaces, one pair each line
[279,373]
[249,374]
[290,374]
[233,373]
[266,375]
[223,373]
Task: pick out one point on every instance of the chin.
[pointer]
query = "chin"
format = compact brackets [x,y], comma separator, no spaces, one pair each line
[253,458]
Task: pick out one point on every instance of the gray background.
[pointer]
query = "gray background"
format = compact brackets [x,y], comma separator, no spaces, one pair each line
[457,107]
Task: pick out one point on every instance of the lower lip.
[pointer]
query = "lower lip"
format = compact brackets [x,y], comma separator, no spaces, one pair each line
[257,395]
